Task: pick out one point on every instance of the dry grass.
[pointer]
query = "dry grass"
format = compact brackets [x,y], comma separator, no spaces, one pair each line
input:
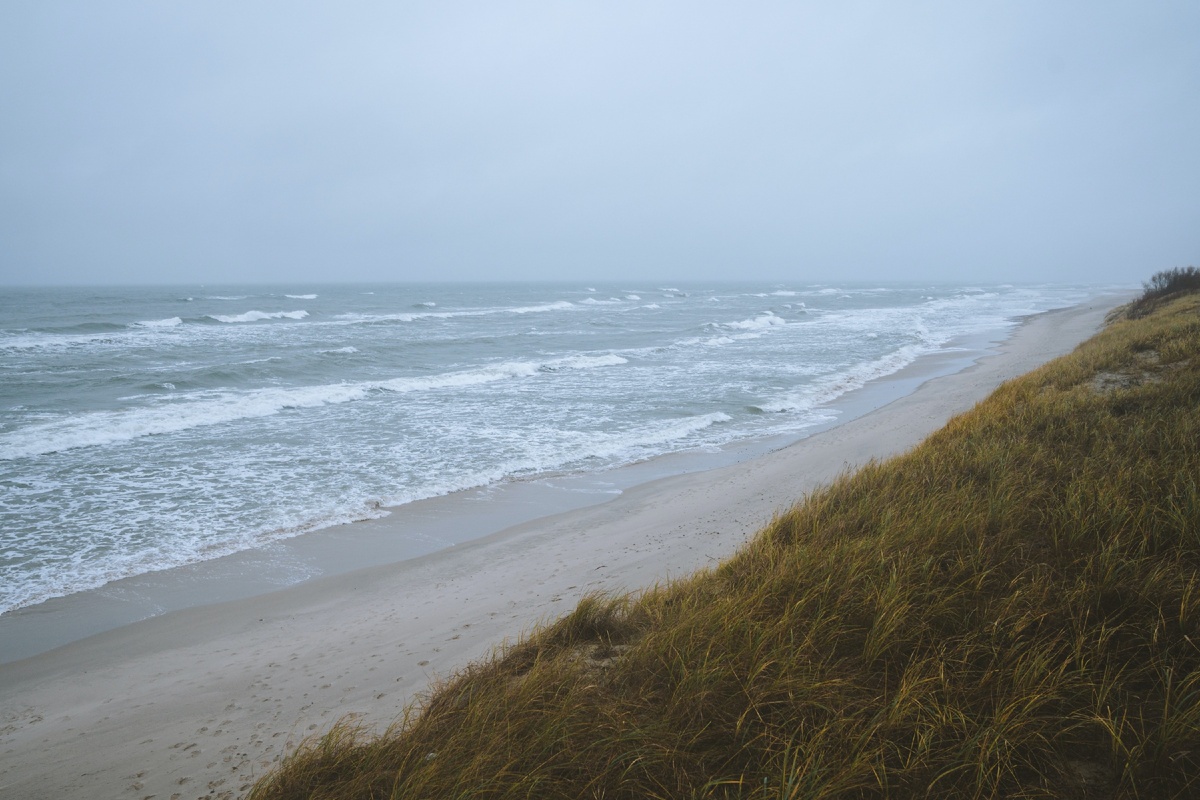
[1010,610]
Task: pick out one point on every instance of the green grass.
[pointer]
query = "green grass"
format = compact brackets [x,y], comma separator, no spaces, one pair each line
[1010,610]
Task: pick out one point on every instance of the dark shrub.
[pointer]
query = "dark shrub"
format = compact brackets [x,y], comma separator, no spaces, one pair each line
[1164,284]
[1170,281]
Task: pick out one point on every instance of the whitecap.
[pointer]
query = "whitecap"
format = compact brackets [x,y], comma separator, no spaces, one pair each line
[830,388]
[759,323]
[256,316]
[170,322]
[561,305]
[355,318]
[109,427]
[585,362]
[301,296]
[625,445]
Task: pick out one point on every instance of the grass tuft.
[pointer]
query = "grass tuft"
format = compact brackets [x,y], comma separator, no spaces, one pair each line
[1012,609]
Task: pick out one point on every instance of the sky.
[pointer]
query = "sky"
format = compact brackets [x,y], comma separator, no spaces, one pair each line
[266,141]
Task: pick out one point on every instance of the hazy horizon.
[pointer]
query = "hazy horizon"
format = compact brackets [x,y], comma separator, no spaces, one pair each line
[221,143]
[586,286]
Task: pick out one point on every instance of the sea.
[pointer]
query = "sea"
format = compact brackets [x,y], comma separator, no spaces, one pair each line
[146,428]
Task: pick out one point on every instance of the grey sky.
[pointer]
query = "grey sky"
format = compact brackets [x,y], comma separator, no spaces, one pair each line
[258,141]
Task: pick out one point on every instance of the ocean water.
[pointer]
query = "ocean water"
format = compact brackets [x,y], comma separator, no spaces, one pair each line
[147,428]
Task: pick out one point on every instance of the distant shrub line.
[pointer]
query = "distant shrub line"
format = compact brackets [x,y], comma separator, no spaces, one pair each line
[1163,285]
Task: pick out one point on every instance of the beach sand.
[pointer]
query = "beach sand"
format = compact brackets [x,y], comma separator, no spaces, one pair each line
[202,701]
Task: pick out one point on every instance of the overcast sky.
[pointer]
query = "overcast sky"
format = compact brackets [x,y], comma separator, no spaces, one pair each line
[216,141]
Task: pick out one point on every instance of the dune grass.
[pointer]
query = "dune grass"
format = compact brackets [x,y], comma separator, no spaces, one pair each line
[1010,610]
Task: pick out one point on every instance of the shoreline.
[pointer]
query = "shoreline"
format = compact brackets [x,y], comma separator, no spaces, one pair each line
[204,699]
[427,525]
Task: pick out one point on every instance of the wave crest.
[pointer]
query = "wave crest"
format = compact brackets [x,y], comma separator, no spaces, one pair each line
[170,322]
[760,323]
[107,427]
[257,316]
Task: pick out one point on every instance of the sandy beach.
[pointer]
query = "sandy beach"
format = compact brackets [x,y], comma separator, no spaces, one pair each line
[200,702]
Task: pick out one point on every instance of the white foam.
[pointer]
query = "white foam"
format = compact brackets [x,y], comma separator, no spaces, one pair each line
[679,429]
[760,323]
[257,316]
[627,445]
[585,362]
[498,372]
[834,386]
[784,293]
[474,377]
[170,322]
[355,318]
[301,296]
[632,297]
[224,297]
[67,575]
[108,427]
[561,305]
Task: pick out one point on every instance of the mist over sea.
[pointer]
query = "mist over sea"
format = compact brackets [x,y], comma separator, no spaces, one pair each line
[146,428]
